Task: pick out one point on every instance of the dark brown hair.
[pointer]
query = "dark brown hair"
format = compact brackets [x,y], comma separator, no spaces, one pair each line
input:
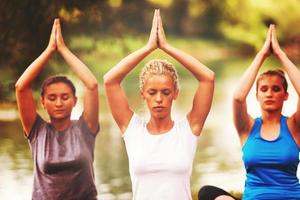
[57,79]
[278,72]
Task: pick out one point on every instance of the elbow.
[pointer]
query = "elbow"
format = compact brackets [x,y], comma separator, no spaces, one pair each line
[212,76]
[107,80]
[18,87]
[94,85]
[237,97]
[113,77]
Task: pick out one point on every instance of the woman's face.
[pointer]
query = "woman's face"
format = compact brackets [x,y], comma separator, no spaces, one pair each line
[58,100]
[271,94]
[159,93]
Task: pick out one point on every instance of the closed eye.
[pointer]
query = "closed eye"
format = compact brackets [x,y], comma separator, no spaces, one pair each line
[51,97]
[276,88]
[264,88]
[166,92]
[65,96]
[151,92]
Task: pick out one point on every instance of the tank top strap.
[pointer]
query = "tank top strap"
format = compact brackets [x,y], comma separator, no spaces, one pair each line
[285,132]
[255,131]
[283,125]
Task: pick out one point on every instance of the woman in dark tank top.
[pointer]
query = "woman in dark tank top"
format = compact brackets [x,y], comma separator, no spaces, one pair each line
[62,149]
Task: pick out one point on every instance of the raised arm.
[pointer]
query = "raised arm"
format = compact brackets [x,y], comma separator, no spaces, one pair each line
[242,120]
[292,71]
[91,99]
[203,97]
[25,100]
[116,97]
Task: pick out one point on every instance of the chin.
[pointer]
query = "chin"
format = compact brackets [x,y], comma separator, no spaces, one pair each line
[271,109]
[158,115]
[60,117]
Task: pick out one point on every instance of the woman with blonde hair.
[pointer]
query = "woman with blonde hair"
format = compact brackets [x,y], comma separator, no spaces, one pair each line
[160,151]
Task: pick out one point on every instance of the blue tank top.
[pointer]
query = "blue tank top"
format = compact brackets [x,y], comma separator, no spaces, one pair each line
[271,166]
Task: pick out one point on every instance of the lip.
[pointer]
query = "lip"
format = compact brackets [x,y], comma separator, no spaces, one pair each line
[59,111]
[158,108]
[269,102]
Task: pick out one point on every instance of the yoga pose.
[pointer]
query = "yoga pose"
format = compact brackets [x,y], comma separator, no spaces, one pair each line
[62,149]
[270,142]
[160,151]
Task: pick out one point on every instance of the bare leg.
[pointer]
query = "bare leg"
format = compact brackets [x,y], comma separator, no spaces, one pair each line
[224,197]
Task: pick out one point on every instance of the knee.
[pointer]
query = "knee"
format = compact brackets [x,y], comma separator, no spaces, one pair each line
[224,197]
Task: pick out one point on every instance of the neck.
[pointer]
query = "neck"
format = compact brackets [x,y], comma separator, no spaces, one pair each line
[61,124]
[271,117]
[160,125]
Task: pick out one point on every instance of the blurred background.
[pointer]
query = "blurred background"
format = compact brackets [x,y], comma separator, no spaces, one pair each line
[224,35]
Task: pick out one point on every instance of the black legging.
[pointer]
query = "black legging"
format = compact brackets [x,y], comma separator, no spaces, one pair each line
[209,192]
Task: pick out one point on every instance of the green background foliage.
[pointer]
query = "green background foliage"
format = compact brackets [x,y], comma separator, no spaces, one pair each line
[101,32]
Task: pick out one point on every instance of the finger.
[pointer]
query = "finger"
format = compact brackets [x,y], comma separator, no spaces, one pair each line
[160,24]
[154,22]
[156,19]
[274,38]
[58,26]
[273,32]
[268,42]
[158,16]
[269,35]
[53,30]
[157,26]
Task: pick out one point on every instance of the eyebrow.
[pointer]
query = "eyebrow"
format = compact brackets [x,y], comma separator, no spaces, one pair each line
[270,85]
[54,94]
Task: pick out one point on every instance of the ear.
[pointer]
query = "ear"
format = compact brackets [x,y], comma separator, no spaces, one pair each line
[42,102]
[142,95]
[75,101]
[286,96]
[176,94]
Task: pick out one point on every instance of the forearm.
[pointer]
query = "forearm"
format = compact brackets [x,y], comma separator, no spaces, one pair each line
[117,73]
[33,70]
[199,70]
[248,78]
[80,69]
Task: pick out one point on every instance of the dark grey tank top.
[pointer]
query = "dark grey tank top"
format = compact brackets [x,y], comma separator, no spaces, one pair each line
[63,161]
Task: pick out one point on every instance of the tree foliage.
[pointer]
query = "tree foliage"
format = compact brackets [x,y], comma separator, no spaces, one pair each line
[25,25]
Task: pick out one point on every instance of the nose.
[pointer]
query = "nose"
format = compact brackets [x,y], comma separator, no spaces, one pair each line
[58,102]
[269,93]
[158,97]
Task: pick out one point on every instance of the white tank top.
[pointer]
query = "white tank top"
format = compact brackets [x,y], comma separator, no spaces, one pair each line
[160,166]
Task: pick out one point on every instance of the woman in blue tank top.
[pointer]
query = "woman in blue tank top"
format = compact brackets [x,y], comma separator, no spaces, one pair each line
[270,142]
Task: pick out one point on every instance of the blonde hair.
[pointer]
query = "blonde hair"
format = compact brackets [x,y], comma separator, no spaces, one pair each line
[158,67]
